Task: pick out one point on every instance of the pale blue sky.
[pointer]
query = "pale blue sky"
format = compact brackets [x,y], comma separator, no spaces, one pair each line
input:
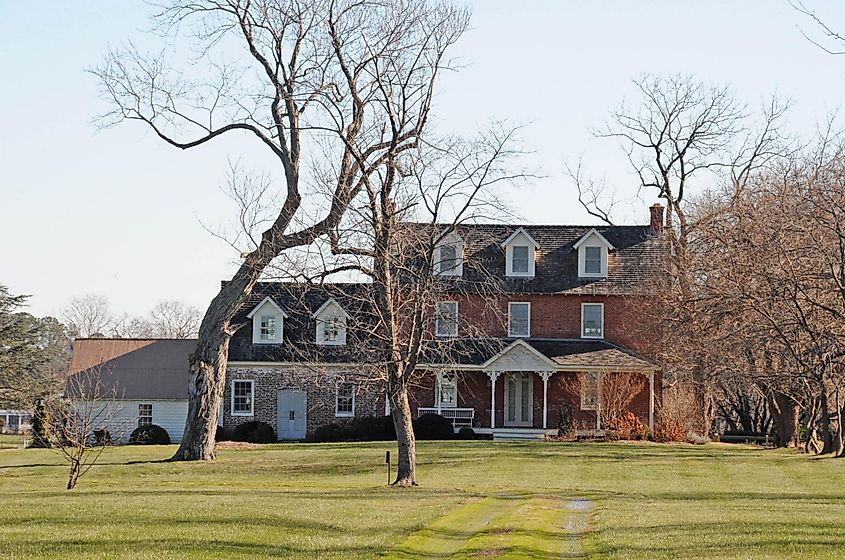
[116,212]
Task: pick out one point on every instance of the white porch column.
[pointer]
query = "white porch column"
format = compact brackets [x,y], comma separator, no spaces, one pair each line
[545,375]
[437,382]
[651,402]
[493,375]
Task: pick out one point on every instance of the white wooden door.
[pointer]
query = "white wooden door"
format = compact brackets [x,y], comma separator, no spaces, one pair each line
[519,398]
[291,416]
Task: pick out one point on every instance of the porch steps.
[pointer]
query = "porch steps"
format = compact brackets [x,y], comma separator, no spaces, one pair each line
[518,434]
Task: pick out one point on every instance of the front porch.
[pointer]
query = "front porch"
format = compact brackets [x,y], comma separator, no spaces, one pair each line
[521,393]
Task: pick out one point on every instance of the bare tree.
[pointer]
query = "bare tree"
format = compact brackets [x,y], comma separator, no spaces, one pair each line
[77,427]
[339,86]
[686,137]
[392,237]
[89,315]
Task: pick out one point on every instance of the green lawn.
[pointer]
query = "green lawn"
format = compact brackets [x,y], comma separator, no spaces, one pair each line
[477,500]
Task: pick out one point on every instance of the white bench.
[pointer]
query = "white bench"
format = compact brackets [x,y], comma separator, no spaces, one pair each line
[459,416]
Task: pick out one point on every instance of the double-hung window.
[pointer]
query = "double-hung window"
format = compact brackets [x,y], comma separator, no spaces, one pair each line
[520,263]
[519,319]
[243,391]
[589,391]
[449,261]
[345,399]
[145,414]
[447,394]
[268,328]
[331,329]
[592,320]
[446,318]
[593,260]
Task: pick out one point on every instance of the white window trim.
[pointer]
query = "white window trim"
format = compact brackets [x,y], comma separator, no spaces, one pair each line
[459,255]
[509,262]
[152,412]
[520,237]
[582,261]
[437,322]
[320,329]
[251,397]
[272,310]
[583,335]
[437,402]
[598,394]
[510,331]
[337,412]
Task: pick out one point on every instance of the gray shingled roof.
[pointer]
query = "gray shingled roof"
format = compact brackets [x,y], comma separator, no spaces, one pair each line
[640,254]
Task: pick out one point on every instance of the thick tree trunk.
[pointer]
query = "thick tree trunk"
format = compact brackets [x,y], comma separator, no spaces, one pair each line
[402,421]
[205,394]
[208,363]
[825,434]
[785,415]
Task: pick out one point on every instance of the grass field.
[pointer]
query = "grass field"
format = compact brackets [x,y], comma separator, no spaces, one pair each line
[476,500]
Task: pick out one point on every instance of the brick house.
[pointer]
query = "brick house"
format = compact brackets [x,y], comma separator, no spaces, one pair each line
[529,322]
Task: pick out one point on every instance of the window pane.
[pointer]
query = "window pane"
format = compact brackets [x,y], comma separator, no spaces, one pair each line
[593,320]
[145,414]
[519,319]
[242,402]
[268,327]
[331,329]
[345,398]
[519,261]
[592,260]
[446,318]
[448,259]
[448,390]
[589,390]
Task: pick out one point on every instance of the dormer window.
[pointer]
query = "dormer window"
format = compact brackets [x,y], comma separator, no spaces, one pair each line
[592,260]
[593,250]
[448,256]
[267,322]
[520,249]
[268,328]
[331,324]
[519,264]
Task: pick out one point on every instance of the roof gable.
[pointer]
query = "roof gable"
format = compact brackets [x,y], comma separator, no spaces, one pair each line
[519,356]
[594,233]
[267,301]
[331,302]
[520,232]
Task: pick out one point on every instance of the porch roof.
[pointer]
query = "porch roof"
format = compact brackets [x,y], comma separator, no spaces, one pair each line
[565,354]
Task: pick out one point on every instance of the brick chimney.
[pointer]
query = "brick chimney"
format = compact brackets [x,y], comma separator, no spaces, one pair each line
[657,217]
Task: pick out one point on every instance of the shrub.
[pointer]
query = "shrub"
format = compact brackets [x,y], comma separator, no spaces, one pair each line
[566,421]
[366,428]
[697,439]
[677,415]
[628,426]
[221,434]
[40,425]
[149,434]
[254,432]
[102,437]
[433,426]
[466,433]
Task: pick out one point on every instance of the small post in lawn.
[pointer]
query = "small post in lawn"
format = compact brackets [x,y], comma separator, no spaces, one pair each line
[387,460]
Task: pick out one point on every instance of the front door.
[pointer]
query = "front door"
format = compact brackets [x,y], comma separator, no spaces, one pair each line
[519,395]
[290,414]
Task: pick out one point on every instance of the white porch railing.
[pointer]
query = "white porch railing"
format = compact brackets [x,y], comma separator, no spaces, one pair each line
[458,416]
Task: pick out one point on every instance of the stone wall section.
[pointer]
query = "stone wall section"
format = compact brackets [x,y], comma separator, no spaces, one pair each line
[319,385]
